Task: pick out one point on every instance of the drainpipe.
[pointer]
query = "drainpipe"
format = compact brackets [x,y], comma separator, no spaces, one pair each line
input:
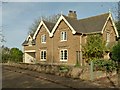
[80,57]
[52,50]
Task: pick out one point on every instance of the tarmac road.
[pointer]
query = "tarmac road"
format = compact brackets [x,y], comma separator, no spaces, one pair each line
[12,79]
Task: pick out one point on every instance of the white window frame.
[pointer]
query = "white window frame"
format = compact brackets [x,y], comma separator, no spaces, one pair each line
[107,37]
[43,59]
[62,36]
[43,38]
[63,55]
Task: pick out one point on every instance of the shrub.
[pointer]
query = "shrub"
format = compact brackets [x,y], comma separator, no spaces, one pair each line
[116,53]
[104,65]
[64,69]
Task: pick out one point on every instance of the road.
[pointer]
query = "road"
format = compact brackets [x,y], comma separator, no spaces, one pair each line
[13,77]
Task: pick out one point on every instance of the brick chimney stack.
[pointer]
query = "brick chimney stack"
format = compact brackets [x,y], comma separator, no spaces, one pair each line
[72,14]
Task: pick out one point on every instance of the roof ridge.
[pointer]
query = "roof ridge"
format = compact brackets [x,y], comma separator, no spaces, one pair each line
[94,16]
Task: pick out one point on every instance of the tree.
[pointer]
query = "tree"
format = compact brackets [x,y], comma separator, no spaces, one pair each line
[118,18]
[116,52]
[35,24]
[115,56]
[16,55]
[5,54]
[13,54]
[94,47]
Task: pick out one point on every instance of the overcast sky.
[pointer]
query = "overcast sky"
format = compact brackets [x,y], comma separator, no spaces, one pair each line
[17,17]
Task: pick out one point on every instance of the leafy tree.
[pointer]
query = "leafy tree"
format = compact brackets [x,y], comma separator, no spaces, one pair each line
[13,54]
[94,47]
[16,55]
[116,52]
[34,26]
[5,54]
[118,22]
[115,56]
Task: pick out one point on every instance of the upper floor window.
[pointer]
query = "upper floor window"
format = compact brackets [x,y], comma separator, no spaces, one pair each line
[107,37]
[63,55]
[43,38]
[63,36]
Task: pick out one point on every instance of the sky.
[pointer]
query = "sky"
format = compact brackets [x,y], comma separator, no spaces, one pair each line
[17,17]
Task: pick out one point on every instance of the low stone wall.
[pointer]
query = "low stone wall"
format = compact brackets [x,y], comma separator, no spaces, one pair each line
[61,70]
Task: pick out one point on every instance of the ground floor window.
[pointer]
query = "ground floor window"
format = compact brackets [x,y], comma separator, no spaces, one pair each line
[63,55]
[43,55]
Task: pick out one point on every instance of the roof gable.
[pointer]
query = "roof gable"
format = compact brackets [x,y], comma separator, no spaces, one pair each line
[66,21]
[111,18]
[92,24]
[48,26]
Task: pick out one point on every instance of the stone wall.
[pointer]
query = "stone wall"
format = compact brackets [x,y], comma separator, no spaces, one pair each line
[62,70]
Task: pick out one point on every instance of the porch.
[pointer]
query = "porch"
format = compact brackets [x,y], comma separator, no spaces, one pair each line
[29,56]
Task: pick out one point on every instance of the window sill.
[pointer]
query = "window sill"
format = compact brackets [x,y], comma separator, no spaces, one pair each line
[63,40]
[43,60]
[43,42]
[63,60]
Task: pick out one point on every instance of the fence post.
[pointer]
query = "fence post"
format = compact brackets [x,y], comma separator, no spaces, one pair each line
[91,70]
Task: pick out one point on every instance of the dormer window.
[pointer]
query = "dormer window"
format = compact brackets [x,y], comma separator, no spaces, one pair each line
[43,38]
[63,36]
[30,42]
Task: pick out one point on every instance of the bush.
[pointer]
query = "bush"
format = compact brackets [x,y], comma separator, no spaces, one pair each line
[64,69]
[104,65]
[116,53]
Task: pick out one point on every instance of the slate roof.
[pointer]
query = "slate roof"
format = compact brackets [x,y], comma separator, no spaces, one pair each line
[88,25]
[26,42]
[49,25]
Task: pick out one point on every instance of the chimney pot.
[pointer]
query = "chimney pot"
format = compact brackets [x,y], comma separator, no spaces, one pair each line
[72,14]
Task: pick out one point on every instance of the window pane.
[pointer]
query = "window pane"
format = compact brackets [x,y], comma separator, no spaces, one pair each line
[61,57]
[44,54]
[65,35]
[65,54]
[61,35]
[44,38]
[41,54]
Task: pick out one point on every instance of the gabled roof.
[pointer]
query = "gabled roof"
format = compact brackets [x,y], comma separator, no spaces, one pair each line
[62,17]
[25,43]
[94,24]
[29,36]
[48,26]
